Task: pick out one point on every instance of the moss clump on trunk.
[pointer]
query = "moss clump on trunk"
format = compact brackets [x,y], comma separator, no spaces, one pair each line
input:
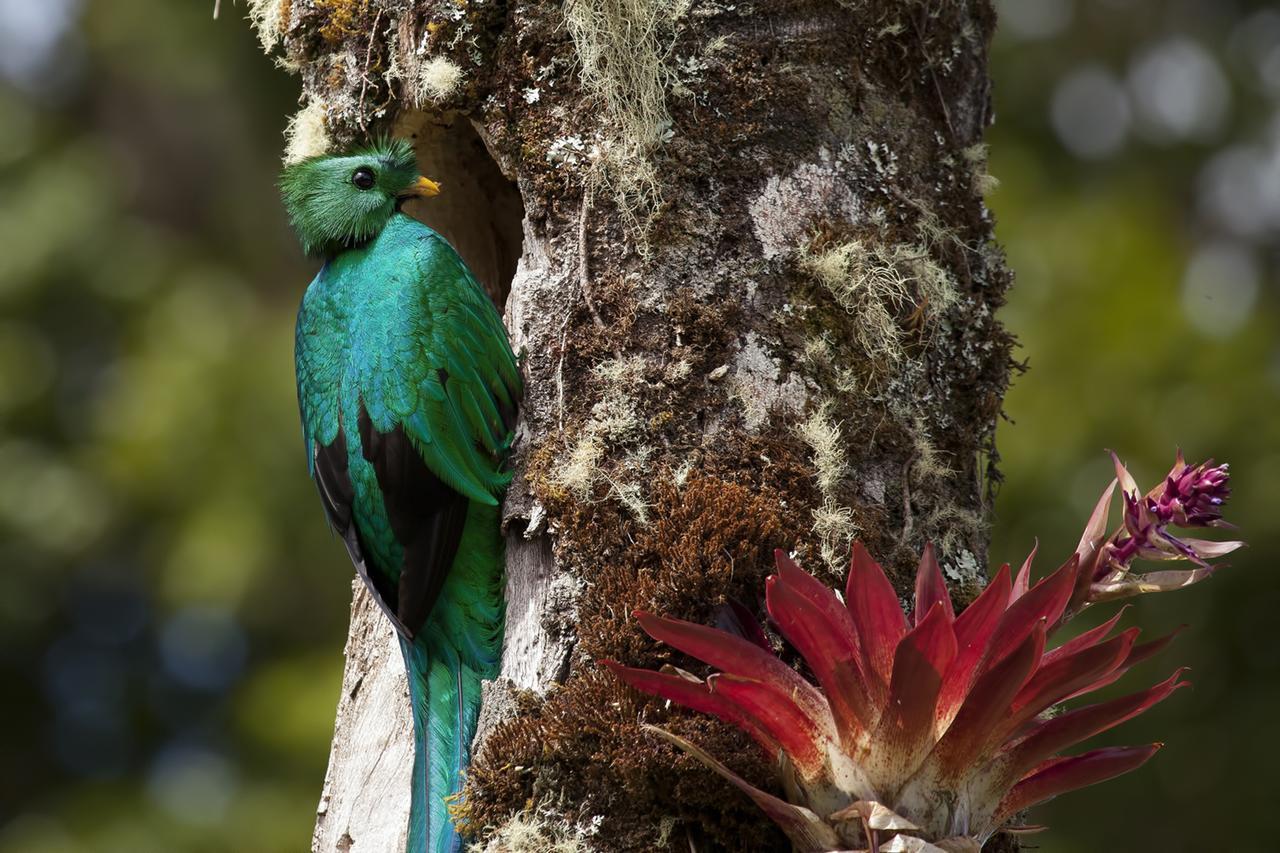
[582,747]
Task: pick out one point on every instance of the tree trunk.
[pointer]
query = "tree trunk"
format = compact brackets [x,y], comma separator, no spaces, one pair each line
[743,251]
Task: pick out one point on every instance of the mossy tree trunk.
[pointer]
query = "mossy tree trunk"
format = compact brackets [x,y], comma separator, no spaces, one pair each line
[744,252]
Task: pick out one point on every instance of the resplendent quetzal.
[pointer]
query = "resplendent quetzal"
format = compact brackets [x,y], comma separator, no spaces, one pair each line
[408,391]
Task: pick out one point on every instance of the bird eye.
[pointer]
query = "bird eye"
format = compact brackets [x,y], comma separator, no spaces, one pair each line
[363,178]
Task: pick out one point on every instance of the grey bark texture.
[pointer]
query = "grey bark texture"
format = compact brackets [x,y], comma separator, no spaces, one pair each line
[743,251]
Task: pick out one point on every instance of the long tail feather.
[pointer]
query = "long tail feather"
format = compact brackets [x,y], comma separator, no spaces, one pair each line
[460,645]
[445,697]
[417,665]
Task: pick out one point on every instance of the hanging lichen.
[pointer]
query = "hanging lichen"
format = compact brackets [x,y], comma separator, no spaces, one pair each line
[623,48]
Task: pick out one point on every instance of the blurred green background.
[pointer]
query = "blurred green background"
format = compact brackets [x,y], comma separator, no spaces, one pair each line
[174,609]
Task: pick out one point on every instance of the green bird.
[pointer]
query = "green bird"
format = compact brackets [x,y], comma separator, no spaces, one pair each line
[408,390]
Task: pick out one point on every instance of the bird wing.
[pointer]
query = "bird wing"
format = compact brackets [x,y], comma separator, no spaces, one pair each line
[455,383]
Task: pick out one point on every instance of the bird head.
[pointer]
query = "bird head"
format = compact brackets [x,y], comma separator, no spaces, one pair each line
[339,201]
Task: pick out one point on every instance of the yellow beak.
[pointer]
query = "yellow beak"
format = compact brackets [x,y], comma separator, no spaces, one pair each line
[422,188]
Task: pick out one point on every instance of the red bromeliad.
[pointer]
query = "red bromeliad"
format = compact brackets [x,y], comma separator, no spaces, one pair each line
[925,731]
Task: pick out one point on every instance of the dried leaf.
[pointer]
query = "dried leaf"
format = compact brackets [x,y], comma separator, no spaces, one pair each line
[808,832]
[877,815]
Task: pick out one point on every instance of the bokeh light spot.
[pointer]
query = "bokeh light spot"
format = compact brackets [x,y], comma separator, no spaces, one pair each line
[1090,113]
[1219,289]
[1178,91]
[30,35]
[49,501]
[203,648]
[1239,188]
[193,784]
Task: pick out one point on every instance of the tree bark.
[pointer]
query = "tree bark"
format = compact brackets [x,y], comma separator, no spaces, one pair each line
[743,251]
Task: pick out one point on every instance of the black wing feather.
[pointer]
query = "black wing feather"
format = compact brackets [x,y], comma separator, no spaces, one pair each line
[427,517]
[337,495]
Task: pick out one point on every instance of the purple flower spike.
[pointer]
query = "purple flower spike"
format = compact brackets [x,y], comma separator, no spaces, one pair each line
[1193,497]
[1189,496]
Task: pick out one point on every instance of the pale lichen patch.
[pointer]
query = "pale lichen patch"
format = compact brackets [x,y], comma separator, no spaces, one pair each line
[534,833]
[678,371]
[613,420]
[878,284]
[267,18]
[621,371]
[835,528]
[824,439]
[623,48]
[928,464]
[783,213]
[614,423]
[952,529]
[307,134]
[757,384]
[964,569]
[437,80]
[976,158]
[833,522]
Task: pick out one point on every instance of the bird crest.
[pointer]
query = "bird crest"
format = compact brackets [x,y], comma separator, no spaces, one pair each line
[338,201]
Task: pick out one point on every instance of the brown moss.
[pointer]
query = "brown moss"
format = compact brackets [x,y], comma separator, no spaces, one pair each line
[343,19]
[701,326]
[708,540]
[615,304]
[585,751]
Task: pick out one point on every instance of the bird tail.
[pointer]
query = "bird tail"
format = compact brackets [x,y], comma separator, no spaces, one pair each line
[459,647]
[441,741]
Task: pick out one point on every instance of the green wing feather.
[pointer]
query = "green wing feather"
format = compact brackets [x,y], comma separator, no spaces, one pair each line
[456,382]
[404,329]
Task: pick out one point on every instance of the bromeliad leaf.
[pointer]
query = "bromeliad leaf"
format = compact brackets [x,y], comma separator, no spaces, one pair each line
[932,729]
